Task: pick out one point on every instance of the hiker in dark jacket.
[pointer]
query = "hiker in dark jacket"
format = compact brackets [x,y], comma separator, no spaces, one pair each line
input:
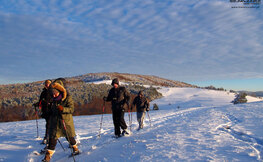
[61,122]
[44,105]
[118,96]
[142,105]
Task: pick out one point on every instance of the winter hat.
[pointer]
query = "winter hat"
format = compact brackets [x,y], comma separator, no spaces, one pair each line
[140,93]
[60,88]
[47,81]
[115,81]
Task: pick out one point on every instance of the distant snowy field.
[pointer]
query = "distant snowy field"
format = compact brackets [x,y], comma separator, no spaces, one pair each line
[191,125]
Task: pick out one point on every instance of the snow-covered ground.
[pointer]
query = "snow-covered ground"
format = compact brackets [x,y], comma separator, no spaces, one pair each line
[191,125]
[101,82]
[195,97]
[106,82]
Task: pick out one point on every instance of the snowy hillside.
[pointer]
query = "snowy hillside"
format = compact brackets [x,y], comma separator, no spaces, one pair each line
[191,125]
[194,97]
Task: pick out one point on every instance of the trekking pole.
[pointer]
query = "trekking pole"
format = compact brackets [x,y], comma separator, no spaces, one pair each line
[36,120]
[101,118]
[131,120]
[149,119]
[129,117]
[61,145]
[65,128]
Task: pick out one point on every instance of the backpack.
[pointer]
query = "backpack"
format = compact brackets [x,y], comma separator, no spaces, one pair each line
[61,81]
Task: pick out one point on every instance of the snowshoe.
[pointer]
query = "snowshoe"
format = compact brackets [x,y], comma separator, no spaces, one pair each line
[49,154]
[75,153]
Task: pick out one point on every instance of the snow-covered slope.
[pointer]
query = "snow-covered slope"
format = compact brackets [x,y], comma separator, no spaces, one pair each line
[195,97]
[205,127]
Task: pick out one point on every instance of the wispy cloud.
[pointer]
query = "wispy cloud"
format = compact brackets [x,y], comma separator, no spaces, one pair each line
[186,40]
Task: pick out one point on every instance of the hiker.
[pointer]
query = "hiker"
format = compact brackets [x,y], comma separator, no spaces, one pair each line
[142,105]
[61,120]
[44,105]
[118,96]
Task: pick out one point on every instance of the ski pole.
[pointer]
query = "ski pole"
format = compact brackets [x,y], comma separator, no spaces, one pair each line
[101,118]
[65,128]
[61,145]
[149,118]
[36,120]
[129,117]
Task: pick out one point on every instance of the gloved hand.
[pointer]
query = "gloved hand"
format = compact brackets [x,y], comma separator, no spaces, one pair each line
[60,108]
[147,109]
[105,98]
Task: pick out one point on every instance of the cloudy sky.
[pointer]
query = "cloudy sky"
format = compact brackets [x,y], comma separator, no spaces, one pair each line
[199,42]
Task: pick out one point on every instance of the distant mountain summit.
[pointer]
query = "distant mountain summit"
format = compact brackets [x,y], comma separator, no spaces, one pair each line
[132,78]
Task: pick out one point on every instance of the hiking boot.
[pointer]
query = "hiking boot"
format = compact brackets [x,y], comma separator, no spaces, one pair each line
[125,132]
[49,154]
[75,150]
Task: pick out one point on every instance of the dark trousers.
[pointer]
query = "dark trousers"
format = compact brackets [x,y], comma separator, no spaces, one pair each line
[53,142]
[118,120]
[47,127]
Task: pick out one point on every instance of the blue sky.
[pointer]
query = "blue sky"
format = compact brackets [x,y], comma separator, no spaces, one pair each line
[186,40]
[233,84]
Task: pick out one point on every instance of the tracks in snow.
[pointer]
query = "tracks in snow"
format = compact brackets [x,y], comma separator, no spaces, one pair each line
[254,143]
